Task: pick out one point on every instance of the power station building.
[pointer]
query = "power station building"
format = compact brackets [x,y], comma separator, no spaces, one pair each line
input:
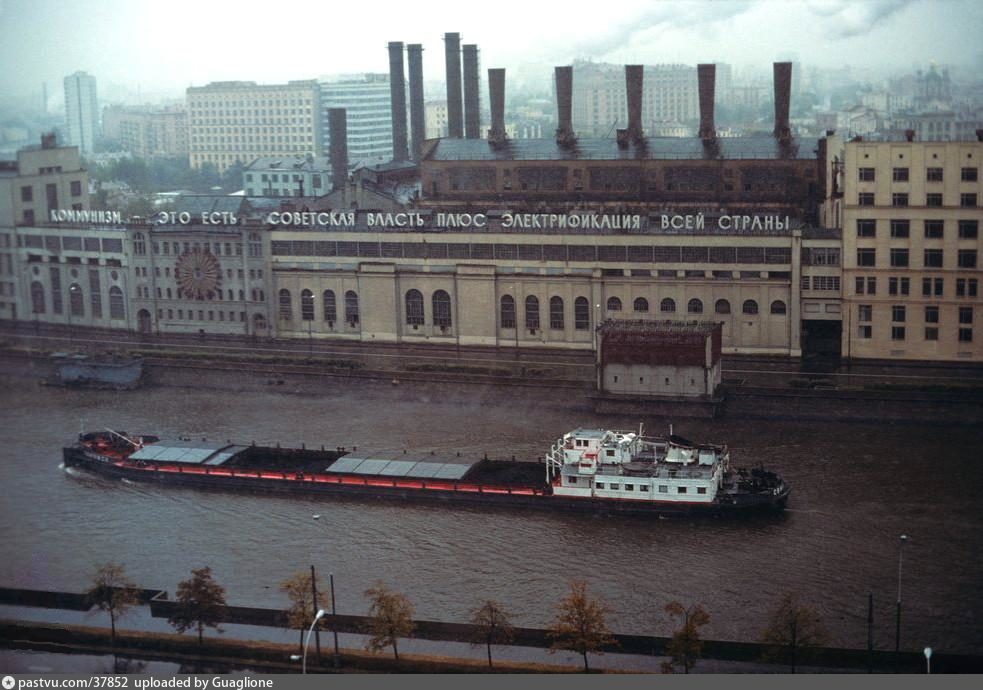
[785,246]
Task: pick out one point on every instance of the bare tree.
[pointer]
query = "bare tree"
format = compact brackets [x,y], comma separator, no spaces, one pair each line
[493,625]
[686,646]
[792,627]
[113,593]
[579,624]
[390,618]
[201,603]
[301,613]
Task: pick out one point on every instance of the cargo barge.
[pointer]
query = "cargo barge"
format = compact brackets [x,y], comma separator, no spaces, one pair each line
[594,470]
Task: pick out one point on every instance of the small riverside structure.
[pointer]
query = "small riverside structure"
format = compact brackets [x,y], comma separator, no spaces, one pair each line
[658,363]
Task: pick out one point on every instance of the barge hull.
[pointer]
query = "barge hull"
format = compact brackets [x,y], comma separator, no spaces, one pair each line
[389,490]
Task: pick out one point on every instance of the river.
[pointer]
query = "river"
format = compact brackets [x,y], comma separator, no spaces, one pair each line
[855,489]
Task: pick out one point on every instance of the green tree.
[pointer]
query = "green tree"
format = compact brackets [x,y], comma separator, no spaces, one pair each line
[792,627]
[200,603]
[301,613]
[686,646]
[112,592]
[493,625]
[390,618]
[579,625]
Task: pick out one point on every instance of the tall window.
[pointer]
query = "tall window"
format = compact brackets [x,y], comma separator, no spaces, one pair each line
[532,312]
[641,304]
[556,313]
[749,307]
[694,306]
[581,314]
[139,244]
[441,309]
[667,306]
[414,308]
[286,306]
[330,306]
[306,305]
[117,308]
[866,227]
[351,307]
[76,300]
[507,311]
[722,306]
[37,298]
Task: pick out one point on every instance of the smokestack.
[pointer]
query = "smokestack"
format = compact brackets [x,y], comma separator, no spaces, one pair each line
[397,100]
[783,95]
[338,128]
[564,107]
[496,98]
[472,116]
[634,75]
[706,78]
[418,126]
[452,53]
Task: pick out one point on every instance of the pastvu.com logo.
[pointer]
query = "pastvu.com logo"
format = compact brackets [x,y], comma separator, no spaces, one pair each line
[8,682]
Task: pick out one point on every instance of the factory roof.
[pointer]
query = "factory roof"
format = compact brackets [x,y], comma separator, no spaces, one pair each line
[655,148]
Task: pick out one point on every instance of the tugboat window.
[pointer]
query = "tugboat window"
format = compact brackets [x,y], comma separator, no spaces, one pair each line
[681,490]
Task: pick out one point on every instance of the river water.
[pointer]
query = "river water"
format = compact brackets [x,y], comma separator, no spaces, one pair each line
[856,488]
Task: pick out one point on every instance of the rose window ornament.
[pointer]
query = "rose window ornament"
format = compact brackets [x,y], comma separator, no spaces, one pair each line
[199,274]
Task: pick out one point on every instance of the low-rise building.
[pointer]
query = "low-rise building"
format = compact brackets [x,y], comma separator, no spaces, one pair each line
[287,176]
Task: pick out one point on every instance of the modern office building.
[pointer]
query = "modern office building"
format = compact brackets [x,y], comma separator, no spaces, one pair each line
[82,111]
[237,121]
[366,99]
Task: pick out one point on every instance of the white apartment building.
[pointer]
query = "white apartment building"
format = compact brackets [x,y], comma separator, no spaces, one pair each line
[82,111]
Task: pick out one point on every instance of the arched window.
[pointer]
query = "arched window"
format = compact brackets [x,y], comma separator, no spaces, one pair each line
[441,309]
[532,312]
[556,313]
[351,307]
[242,295]
[641,304]
[667,306]
[76,300]
[117,307]
[414,308]
[778,307]
[286,306]
[306,305]
[750,307]
[581,314]
[232,295]
[330,306]
[37,298]
[507,311]
[694,306]
[614,304]
[722,306]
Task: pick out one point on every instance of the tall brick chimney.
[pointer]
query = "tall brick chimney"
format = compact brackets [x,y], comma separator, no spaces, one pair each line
[397,100]
[452,55]
[706,78]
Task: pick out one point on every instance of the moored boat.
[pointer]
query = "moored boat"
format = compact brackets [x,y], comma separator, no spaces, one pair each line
[594,470]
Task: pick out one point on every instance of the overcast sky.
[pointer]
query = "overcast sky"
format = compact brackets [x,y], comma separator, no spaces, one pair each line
[171,44]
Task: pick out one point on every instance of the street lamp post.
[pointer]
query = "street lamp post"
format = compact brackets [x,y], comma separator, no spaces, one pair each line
[334,623]
[897,620]
[307,641]
[928,660]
